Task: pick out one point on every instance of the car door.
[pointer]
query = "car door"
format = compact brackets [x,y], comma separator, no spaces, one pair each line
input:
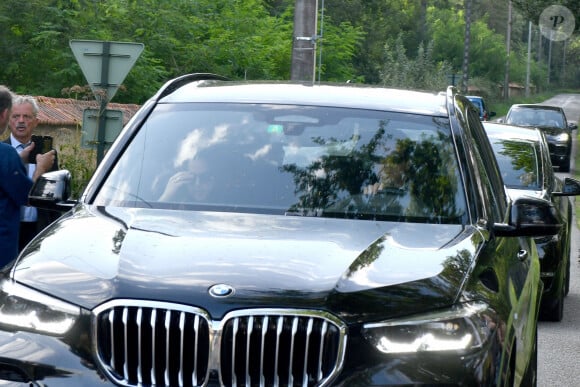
[552,183]
[517,258]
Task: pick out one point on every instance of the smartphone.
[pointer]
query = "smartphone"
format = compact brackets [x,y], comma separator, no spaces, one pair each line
[42,144]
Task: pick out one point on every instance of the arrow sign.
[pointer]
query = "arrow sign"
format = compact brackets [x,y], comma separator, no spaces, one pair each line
[105,64]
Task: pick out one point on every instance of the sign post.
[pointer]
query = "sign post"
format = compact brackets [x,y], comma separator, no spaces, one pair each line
[105,65]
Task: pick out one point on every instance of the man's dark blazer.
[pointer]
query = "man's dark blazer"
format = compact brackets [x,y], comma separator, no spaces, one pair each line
[44,217]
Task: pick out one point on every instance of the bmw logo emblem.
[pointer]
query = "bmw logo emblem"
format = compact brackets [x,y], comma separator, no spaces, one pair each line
[221,290]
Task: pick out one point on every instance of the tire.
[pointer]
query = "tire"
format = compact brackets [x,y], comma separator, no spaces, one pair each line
[553,309]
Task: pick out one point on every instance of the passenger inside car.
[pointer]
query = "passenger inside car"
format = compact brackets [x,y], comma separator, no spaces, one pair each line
[194,183]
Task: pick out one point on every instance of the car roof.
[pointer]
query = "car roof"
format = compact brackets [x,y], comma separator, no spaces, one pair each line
[330,95]
[535,106]
[505,131]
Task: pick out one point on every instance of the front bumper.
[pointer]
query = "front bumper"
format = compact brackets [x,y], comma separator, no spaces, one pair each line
[559,152]
[552,267]
[37,360]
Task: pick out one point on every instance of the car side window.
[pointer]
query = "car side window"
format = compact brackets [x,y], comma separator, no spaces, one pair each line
[491,187]
[548,172]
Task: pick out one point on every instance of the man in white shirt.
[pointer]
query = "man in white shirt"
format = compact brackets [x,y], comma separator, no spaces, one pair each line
[23,121]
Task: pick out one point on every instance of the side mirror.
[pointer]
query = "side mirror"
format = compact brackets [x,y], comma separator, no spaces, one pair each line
[51,191]
[530,216]
[572,126]
[500,120]
[571,188]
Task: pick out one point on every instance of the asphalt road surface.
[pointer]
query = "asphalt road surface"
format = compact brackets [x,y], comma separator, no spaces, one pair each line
[559,342]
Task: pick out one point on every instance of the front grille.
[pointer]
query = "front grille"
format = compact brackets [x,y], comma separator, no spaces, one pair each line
[279,350]
[560,150]
[160,344]
[153,345]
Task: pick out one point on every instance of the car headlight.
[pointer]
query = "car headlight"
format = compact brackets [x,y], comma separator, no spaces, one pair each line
[562,137]
[22,308]
[462,328]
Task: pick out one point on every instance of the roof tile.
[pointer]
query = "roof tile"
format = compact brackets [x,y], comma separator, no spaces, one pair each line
[69,112]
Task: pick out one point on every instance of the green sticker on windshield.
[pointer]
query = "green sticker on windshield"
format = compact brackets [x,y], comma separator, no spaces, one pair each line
[275,129]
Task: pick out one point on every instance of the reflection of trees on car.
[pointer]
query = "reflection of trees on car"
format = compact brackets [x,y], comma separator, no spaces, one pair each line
[332,178]
[521,170]
[415,178]
[425,168]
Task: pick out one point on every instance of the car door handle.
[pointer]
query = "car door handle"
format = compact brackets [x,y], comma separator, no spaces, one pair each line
[522,255]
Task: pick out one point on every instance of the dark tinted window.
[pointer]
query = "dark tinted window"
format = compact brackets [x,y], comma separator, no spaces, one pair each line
[490,183]
[478,103]
[293,160]
[519,163]
[525,116]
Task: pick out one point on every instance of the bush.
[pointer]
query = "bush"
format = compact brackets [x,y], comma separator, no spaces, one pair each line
[79,161]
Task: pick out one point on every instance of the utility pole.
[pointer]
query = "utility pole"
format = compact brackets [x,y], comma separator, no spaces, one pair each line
[529,58]
[506,83]
[550,56]
[466,43]
[304,42]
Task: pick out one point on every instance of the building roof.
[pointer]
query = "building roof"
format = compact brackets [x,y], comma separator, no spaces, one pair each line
[69,112]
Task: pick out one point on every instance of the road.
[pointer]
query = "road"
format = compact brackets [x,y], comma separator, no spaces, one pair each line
[559,342]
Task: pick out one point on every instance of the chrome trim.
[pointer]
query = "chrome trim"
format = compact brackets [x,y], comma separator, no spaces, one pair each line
[305,330]
[122,375]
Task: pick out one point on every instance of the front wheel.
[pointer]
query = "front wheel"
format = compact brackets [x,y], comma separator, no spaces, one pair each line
[553,309]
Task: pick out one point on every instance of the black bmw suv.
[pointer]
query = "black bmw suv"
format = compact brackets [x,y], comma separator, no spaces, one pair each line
[553,122]
[282,234]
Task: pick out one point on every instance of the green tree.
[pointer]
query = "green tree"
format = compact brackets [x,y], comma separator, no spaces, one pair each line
[380,21]
[487,51]
[34,33]
[339,45]
[423,72]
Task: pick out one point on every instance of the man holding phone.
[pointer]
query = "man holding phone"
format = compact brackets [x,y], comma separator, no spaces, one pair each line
[23,121]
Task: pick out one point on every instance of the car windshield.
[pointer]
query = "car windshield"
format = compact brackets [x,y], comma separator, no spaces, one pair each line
[291,160]
[478,104]
[476,101]
[535,117]
[519,163]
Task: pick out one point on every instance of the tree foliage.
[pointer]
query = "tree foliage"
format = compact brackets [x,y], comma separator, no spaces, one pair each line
[252,39]
[422,72]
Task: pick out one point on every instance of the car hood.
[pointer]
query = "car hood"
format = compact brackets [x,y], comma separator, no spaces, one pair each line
[551,131]
[95,254]
[548,130]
